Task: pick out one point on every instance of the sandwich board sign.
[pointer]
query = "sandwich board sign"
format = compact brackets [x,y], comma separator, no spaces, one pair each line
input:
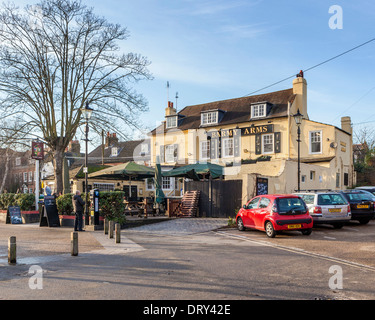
[49,215]
[14,215]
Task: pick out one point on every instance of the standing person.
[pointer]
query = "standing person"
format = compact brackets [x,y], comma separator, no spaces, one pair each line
[78,205]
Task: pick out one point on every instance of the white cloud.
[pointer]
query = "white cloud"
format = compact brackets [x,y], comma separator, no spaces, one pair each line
[216,7]
[243,31]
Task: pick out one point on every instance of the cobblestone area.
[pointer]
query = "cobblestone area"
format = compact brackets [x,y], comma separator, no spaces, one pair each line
[183,226]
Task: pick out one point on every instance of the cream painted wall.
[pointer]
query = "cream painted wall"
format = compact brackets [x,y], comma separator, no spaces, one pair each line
[336,151]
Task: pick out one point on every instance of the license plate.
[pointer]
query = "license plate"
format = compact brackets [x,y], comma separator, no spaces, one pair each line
[294,226]
[362,206]
[334,210]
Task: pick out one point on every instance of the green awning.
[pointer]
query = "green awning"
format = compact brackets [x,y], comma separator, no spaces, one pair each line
[121,171]
[193,171]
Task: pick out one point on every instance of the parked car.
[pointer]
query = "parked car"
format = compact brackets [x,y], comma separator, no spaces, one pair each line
[371,195]
[367,188]
[274,213]
[361,205]
[327,208]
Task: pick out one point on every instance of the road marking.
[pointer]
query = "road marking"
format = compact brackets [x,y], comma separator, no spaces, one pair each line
[299,251]
[329,238]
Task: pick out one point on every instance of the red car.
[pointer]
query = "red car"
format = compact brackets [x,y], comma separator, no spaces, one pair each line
[273,213]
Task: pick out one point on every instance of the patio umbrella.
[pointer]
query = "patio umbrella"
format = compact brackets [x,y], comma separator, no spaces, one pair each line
[125,170]
[159,194]
[129,169]
[193,171]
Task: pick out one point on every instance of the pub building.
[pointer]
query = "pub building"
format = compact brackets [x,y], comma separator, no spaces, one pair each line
[255,139]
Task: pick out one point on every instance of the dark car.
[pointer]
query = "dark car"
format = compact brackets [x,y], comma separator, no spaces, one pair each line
[361,205]
[367,188]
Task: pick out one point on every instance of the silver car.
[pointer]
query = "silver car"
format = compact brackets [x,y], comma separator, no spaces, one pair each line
[327,208]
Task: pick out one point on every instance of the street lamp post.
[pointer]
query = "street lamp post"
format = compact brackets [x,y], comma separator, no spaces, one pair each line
[87,111]
[298,118]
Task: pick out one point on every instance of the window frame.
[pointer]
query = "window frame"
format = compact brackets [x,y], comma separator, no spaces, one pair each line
[104,186]
[170,125]
[114,151]
[207,118]
[164,183]
[255,110]
[205,154]
[272,143]
[311,141]
[168,153]
[225,148]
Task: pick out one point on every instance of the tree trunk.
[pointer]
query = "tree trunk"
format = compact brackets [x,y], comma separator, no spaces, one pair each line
[6,171]
[58,164]
[66,180]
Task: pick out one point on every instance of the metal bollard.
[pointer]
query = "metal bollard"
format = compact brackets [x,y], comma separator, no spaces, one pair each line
[74,243]
[118,232]
[12,250]
[110,229]
[105,226]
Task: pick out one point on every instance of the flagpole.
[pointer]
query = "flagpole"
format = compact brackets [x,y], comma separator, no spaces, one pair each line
[167,93]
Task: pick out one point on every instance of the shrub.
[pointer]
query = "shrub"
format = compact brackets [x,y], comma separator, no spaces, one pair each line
[64,204]
[6,200]
[111,205]
[26,201]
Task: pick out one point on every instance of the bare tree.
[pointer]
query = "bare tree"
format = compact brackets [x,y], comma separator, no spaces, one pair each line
[12,137]
[57,56]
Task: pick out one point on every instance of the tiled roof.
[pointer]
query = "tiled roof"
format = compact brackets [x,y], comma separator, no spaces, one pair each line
[237,110]
[127,151]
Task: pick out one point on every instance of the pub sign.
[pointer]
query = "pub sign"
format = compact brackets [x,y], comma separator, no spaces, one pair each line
[37,150]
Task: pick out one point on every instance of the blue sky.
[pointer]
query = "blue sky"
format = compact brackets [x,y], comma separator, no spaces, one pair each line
[213,50]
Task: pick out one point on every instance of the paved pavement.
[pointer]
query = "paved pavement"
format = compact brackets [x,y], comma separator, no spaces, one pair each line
[179,259]
[36,245]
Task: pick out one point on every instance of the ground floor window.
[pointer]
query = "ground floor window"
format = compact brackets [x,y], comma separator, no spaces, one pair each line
[205,150]
[167,183]
[104,186]
[267,143]
[228,148]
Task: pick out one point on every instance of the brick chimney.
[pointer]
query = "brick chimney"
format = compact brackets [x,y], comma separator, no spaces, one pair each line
[170,110]
[300,90]
[346,124]
[111,140]
[74,147]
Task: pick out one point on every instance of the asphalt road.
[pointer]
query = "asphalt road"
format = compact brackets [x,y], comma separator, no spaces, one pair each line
[167,263]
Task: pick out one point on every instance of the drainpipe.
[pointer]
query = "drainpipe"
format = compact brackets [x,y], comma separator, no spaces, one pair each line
[288,130]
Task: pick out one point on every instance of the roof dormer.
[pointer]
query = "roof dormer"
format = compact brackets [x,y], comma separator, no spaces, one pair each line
[260,109]
[211,117]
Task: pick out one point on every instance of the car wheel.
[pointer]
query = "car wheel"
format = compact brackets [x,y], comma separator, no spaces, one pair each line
[338,225]
[306,232]
[364,221]
[240,225]
[270,231]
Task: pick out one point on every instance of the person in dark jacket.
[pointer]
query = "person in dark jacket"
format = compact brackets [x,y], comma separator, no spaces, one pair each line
[78,205]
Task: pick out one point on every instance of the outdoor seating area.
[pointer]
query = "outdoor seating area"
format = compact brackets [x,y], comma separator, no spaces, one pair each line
[139,208]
